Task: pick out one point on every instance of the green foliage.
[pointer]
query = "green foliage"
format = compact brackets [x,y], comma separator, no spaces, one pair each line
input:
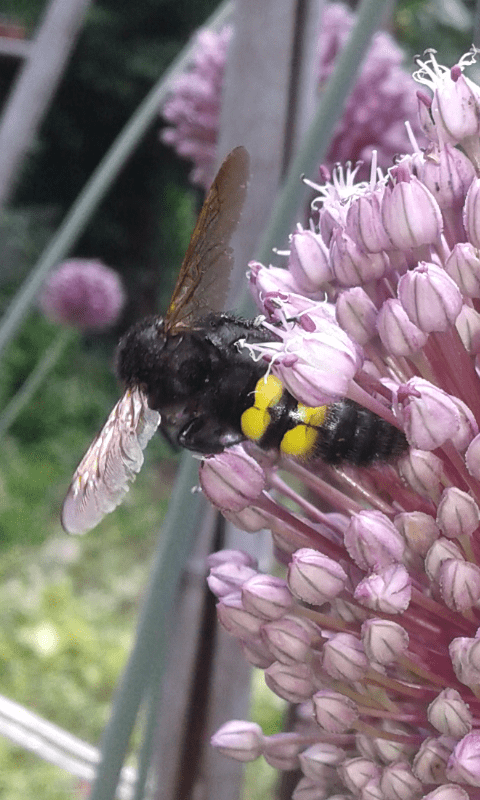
[68,612]
[68,604]
[23,775]
[445,25]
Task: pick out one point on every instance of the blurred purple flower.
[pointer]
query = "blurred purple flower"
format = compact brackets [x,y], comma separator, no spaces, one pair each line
[374,115]
[193,110]
[83,293]
[379,103]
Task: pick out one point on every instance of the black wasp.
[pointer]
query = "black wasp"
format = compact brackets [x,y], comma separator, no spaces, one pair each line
[185,373]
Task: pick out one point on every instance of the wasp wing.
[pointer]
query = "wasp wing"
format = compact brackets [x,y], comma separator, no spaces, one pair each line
[111,462]
[204,275]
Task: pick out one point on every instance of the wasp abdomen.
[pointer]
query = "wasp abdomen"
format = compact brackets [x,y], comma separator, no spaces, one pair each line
[356,435]
[340,432]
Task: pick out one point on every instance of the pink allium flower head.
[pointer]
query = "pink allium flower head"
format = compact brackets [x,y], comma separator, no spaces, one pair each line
[376,629]
[82,293]
[374,115]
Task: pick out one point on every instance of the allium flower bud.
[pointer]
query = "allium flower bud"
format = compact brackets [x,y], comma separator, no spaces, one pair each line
[351,266]
[467,427]
[430,763]
[429,415]
[240,740]
[424,104]
[267,596]
[356,772]
[228,577]
[388,590]
[410,213]
[356,314]
[265,280]
[390,750]
[464,763]
[256,652]
[291,639]
[331,217]
[418,529]
[447,173]
[449,714]
[293,682]
[449,791]
[344,658]
[311,790]
[464,654]
[232,480]
[440,551]
[430,297]
[372,790]
[384,640]
[308,262]
[399,783]
[456,108]
[83,293]
[468,327]
[366,746]
[472,457]
[398,333]
[364,223]
[281,750]
[457,513]
[373,541]
[463,266]
[316,761]
[235,619]
[459,584]
[422,471]
[471,213]
[334,712]
[315,578]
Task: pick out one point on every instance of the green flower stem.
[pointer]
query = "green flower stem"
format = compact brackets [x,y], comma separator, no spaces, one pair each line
[151,645]
[96,187]
[35,379]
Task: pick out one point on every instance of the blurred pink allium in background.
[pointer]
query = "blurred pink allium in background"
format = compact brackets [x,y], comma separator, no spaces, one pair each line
[380,102]
[193,110]
[83,293]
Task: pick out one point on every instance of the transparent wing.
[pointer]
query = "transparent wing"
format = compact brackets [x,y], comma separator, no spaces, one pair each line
[112,461]
[204,276]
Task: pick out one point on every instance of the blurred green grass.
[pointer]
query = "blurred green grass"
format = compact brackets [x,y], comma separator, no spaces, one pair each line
[68,604]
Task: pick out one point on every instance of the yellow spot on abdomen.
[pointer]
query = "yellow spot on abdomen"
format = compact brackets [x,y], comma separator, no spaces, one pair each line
[255,420]
[254,423]
[268,392]
[300,440]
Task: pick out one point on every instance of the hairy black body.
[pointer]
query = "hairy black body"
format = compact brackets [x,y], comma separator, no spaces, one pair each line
[201,383]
